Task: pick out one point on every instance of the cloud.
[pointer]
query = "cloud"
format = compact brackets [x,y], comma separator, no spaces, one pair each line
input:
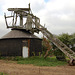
[3,29]
[58,15]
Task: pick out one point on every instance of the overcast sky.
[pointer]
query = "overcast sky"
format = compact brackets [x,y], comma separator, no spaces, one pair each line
[57,15]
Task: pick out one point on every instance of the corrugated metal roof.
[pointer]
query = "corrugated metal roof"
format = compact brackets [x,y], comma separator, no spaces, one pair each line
[16,33]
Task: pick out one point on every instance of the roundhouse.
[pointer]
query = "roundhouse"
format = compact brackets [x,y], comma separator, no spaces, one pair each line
[20,43]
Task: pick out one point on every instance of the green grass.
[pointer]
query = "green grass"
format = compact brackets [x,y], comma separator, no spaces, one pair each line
[1,73]
[37,61]
[40,61]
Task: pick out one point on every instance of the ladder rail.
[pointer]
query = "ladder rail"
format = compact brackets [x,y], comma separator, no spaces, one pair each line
[54,42]
[66,50]
[61,43]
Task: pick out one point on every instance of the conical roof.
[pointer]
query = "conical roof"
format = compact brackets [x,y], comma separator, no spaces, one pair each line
[17,33]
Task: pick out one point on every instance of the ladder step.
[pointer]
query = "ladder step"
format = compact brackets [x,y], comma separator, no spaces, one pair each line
[73,54]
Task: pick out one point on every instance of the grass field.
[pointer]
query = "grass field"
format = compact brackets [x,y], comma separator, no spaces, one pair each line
[37,61]
[40,61]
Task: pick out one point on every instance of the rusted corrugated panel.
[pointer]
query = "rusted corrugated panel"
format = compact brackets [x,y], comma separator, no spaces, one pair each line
[29,47]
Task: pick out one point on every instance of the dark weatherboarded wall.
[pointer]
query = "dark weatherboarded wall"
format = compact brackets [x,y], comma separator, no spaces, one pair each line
[10,47]
[13,47]
[35,46]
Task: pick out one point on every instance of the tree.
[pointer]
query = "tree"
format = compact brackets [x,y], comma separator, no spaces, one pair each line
[65,38]
[47,48]
[72,42]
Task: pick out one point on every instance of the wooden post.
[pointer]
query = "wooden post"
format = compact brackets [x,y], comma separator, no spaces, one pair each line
[21,20]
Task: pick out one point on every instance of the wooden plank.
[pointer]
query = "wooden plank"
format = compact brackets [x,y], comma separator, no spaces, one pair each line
[18,9]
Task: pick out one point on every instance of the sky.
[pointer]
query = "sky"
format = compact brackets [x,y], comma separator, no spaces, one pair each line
[57,15]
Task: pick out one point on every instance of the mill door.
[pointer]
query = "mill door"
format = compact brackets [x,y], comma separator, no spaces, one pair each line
[25,48]
[25,52]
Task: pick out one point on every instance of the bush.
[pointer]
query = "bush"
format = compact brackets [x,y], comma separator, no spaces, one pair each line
[59,55]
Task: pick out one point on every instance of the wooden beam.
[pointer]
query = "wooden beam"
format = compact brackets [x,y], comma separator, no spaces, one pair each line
[18,9]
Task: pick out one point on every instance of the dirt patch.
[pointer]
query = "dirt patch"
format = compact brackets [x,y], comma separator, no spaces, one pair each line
[12,68]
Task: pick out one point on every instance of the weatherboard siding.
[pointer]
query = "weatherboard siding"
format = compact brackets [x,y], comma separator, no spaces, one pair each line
[13,47]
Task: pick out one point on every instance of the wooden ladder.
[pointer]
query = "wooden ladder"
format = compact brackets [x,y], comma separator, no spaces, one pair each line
[66,50]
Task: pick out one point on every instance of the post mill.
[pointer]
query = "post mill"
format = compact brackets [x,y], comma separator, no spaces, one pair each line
[33,25]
